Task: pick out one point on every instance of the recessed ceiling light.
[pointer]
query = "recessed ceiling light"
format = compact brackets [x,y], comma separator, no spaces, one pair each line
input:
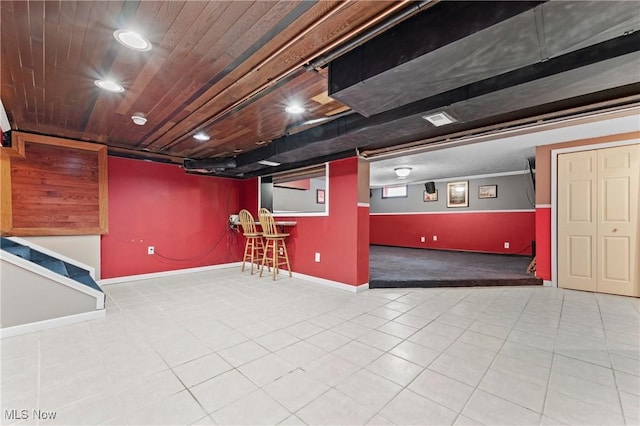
[295,109]
[439,119]
[109,85]
[402,172]
[261,142]
[268,163]
[201,137]
[139,118]
[132,40]
[237,150]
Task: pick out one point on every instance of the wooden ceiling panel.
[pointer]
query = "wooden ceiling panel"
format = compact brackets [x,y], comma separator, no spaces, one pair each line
[226,67]
[288,59]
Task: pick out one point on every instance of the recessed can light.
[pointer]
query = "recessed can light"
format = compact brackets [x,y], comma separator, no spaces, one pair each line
[237,150]
[295,109]
[109,85]
[132,40]
[139,118]
[402,172]
[439,119]
[201,137]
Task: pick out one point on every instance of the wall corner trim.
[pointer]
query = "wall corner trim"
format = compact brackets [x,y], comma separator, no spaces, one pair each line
[51,323]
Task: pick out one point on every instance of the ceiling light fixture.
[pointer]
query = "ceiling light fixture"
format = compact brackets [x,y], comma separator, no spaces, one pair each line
[201,137]
[268,163]
[295,109]
[439,119]
[132,40]
[109,85]
[402,172]
[139,118]
[237,150]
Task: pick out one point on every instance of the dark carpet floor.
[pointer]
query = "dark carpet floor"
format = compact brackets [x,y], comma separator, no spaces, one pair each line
[392,267]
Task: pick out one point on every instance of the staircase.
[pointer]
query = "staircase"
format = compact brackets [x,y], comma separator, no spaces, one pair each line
[53,264]
[42,289]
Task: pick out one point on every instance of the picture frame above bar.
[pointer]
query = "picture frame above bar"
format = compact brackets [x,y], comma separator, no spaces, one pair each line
[458,194]
[488,191]
[429,197]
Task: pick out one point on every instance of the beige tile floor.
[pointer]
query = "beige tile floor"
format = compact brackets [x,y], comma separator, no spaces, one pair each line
[228,348]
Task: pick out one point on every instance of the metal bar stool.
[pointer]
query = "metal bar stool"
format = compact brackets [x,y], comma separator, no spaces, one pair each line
[254,247]
[275,242]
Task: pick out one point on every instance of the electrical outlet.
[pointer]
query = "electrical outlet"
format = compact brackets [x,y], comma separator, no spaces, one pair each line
[506,244]
[422,239]
[435,238]
[151,250]
[281,252]
[317,257]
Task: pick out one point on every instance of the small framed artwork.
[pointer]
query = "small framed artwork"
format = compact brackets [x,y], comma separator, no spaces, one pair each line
[458,194]
[429,197]
[488,191]
[320,196]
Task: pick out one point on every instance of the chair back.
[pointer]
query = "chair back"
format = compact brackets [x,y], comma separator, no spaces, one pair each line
[247,222]
[267,222]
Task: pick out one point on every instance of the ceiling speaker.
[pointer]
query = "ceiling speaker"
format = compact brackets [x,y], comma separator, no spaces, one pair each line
[430,187]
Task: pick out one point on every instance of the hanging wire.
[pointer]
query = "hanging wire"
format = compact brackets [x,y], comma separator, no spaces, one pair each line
[226,232]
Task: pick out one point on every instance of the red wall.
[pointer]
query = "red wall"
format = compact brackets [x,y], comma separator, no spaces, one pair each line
[344,252]
[181,215]
[474,231]
[543,241]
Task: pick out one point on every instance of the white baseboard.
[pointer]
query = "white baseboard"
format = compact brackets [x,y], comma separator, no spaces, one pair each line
[546,283]
[330,283]
[18,330]
[128,278]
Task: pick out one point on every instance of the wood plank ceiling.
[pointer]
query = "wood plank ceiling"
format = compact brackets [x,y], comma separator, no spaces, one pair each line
[227,69]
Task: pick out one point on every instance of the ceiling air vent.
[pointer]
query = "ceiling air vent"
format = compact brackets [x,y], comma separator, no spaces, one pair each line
[439,119]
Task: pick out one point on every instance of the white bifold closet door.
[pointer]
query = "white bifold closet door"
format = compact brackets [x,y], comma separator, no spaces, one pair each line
[598,199]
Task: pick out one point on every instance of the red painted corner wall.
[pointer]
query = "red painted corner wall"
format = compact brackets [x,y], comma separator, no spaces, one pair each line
[336,237]
[543,243]
[181,215]
[475,231]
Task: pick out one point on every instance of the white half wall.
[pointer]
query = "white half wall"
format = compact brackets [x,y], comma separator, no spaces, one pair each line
[83,248]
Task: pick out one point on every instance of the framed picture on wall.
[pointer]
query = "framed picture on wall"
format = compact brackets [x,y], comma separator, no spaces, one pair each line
[320,196]
[429,197]
[458,194]
[488,191]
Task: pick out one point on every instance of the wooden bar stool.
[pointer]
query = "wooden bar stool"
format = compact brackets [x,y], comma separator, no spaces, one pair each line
[254,247]
[275,242]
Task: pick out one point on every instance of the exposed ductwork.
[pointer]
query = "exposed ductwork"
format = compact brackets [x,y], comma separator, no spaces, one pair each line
[212,165]
[481,63]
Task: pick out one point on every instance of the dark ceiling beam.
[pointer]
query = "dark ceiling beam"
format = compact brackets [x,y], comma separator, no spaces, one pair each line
[446,23]
[210,163]
[353,123]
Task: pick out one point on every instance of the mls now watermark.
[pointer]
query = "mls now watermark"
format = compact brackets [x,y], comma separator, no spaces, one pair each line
[17,414]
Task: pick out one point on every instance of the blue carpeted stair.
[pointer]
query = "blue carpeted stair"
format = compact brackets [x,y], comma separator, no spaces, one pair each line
[51,263]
